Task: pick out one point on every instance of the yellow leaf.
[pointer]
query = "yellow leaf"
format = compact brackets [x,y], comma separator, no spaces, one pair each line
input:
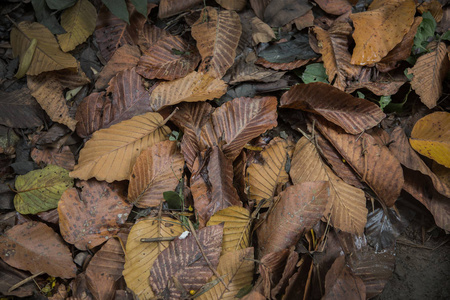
[236,230]
[25,60]
[431,137]
[48,56]
[140,256]
[79,22]
[111,153]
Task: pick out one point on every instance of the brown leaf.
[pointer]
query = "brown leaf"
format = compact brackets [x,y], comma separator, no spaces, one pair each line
[282,66]
[271,270]
[347,204]
[261,32]
[259,6]
[182,259]
[19,109]
[298,287]
[217,35]
[126,57]
[168,8]
[334,7]
[340,283]
[434,7]
[62,157]
[289,269]
[383,84]
[379,29]
[363,154]
[35,247]
[169,58]
[354,115]
[149,35]
[89,217]
[127,97]
[429,72]
[333,45]
[157,169]
[192,88]
[300,207]
[237,122]
[279,13]
[400,147]
[104,269]
[10,276]
[232,4]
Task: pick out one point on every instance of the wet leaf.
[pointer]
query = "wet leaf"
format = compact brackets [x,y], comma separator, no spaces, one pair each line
[111,153]
[35,247]
[40,190]
[289,51]
[89,217]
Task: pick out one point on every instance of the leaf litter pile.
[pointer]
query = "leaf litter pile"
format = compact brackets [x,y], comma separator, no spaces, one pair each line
[262,149]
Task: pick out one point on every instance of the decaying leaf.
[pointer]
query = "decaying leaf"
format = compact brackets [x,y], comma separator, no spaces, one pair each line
[47,56]
[340,283]
[141,256]
[89,217]
[35,247]
[168,8]
[217,35]
[379,29]
[279,13]
[300,207]
[157,169]
[111,153]
[62,157]
[40,190]
[79,23]
[18,109]
[182,259]
[236,230]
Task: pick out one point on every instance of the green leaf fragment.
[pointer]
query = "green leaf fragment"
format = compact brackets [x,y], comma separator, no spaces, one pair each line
[40,190]
[424,34]
[173,199]
[384,101]
[315,73]
[118,8]
[446,36]
[141,6]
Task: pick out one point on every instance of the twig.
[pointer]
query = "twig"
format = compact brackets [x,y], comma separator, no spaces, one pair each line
[20,283]
[191,227]
[159,239]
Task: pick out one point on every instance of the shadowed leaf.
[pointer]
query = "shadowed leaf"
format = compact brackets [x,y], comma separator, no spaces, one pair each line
[18,109]
[340,283]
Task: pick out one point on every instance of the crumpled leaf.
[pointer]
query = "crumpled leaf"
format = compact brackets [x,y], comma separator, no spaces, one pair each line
[157,169]
[19,109]
[89,217]
[217,35]
[183,258]
[35,247]
[40,190]
[47,56]
[379,29]
[79,23]
[111,153]
[261,32]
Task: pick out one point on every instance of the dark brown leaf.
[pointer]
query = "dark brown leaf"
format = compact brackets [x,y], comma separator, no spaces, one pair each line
[168,8]
[10,276]
[53,156]
[281,12]
[19,109]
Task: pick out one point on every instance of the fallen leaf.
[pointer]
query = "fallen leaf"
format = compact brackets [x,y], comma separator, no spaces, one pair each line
[47,56]
[10,276]
[79,23]
[25,59]
[282,66]
[232,4]
[183,258]
[429,72]
[168,8]
[236,230]
[379,29]
[261,32]
[149,35]
[40,190]
[141,256]
[89,217]
[62,157]
[337,8]
[300,207]
[271,269]
[157,169]
[289,270]
[35,247]
[341,283]
[354,115]
[111,153]
[259,6]
[279,13]
[217,35]
[434,7]
[18,109]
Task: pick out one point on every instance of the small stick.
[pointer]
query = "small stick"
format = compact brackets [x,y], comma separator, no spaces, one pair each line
[159,239]
[20,283]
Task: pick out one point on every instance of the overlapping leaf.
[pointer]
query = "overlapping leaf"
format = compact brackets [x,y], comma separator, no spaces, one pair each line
[168,8]
[47,56]
[217,35]
[92,216]
[354,115]
[341,283]
[62,157]
[40,190]
[111,153]
[141,256]
[79,23]
[192,88]
[348,204]
[18,109]
[265,179]
[236,230]
[279,13]
[35,247]
[157,169]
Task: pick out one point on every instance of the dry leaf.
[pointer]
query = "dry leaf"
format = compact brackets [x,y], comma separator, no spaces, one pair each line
[340,283]
[282,66]
[149,35]
[111,153]
[157,169]
[336,7]
[429,72]
[431,137]
[89,217]
[141,256]
[35,247]
[62,157]
[19,109]
[232,4]
[259,6]
[168,8]
[379,29]
[10,276]
[281,12]
[217,35]
[434,7]
[47,56]
[261,32]
[192,88]
[354,115]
